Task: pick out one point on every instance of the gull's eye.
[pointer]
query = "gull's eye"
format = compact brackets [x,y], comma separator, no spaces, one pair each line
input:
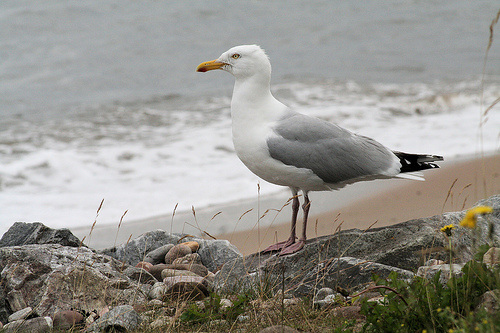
[235,56]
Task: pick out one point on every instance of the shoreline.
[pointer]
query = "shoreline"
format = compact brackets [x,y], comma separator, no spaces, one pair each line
[383,202]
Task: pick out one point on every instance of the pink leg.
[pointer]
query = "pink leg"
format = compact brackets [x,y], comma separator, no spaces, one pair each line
[291,239]
[292,248]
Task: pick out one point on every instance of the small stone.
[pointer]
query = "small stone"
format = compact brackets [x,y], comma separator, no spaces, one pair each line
[178,251]
[140,275]
[434,262]
[167,272]
[349,312]
[194,246]
[290,301]
[189,287]
[157,269]
[157,256]
[193,258]
[489,301]
[156,303]
[323,292]
[160,322]
[225,303]
[198,269]
[144,265]
[492,256]
[34,325]
[243,318]
[158,291]
[64,320]
[429,272]
[21,314]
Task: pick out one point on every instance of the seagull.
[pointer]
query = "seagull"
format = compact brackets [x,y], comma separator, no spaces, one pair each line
[291,149]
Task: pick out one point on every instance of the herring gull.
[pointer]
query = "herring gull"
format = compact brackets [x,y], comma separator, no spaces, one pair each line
[291,149]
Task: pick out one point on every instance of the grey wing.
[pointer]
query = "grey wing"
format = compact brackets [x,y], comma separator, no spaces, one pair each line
[331,152]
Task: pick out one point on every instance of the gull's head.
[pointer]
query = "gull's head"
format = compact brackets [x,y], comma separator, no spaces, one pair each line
[241,61]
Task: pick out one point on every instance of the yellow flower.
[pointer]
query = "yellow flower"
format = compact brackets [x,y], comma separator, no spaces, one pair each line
[447,229]
[470,218]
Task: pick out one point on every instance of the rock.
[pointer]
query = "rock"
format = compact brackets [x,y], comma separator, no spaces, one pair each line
[213,253]
[197,269]
[349,312]
[158,291]
[429,272]
[135,250]
[186,287]
[34,325]
[121,318]
[279,329]
[5,309]
[139,275]
[194,246]
[401,247]
[323,292]
[21,314]
[176,272]
[22,233]
[291,301]
[492,256]
[193,258]
[144,265]
[49,277]
[178,251]
[327,302]
[65,320]
[489,301]
[157,269]
[161,322]
[346,272]
[225,303]
[157,256]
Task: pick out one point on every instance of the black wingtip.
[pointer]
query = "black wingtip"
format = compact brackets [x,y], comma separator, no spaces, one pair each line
[417,162]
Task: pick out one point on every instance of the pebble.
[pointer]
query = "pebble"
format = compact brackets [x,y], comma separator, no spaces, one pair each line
[64,320]
[225,303]
[144,265]
[194,246]
[323,292]
[198,269]
[190,287]
[492,256]
[193,258]
[157,256]
[160,322]
[21,314]
[167,272]
[178,251]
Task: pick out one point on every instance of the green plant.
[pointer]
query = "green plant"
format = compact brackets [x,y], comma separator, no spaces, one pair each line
[212,309]
[429,305]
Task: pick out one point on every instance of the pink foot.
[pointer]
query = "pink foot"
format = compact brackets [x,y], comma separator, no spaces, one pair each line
[278,246]
[292,248]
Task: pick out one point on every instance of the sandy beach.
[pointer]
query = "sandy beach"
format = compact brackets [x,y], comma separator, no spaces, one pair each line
[457,185]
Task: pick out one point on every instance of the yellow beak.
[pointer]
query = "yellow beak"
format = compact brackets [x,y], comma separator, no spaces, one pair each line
[209,65]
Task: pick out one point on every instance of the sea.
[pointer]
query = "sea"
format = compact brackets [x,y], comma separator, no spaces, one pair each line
[103,117]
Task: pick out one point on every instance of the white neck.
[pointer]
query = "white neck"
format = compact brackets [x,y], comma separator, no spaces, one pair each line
[253,102]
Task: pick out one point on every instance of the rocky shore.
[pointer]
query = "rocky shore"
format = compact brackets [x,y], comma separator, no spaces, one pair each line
[50,280]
